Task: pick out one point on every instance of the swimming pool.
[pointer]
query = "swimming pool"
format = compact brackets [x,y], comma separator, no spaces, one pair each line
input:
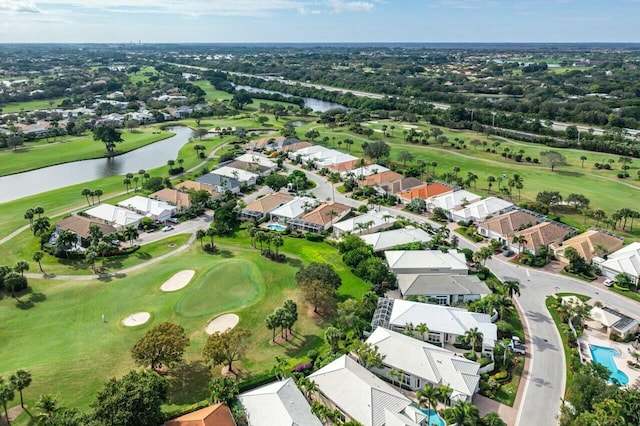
[604,356]
[276,227]
[433,418]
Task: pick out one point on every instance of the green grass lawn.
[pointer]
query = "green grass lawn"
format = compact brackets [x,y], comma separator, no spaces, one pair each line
[31,105]
[75,352]
[31,157]
[508,392]
[211,93]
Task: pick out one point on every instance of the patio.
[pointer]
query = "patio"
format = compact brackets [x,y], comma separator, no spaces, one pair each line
[599,337]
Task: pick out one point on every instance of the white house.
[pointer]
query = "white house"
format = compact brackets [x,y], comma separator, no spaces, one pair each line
[365,223]
[443,289]
[293,209]
[446,324]
[359,395]
[364,171]
[258,159]
[149,207]
[426,262]
[240,175]
[624,261]
[480,209]
[117,217]
[386,240]
[422,363]
[451,200]
[278,404]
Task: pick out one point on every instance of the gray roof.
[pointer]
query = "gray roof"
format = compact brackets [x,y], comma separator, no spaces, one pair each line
[429,284]
[278,404]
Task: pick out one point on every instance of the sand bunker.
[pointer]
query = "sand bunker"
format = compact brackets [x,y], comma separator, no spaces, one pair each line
[138,318]
[222,323]
[178,281]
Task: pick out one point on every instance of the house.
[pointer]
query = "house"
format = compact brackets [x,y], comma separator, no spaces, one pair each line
[258,209]
[365,224]
[278,404]
[242,176]
[359,395]
[386,240]
[422,363]
[117,217]
[424,191]
[268,142]
[293,209]
[481,209]
[321,218]
[192,185]
[443,289]
[542,235]
[426,262]
[157,210]
[228,179]
[214,415]
[361,172]
[80,226]
[614,321]
[250,167]
[295,145]
[402,185]
[446,325]
[451,200]
[502,227]
[380,178]
[624,261]
[172,196]
[345,166]
[588,243]
[260,160]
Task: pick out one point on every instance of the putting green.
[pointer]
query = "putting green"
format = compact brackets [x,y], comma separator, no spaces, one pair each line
[224,287]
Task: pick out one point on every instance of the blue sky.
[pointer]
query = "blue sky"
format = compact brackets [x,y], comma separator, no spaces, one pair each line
[175,21]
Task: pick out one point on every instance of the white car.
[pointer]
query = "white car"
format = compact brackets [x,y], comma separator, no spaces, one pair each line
[167,228]
[609,282]
[516,346]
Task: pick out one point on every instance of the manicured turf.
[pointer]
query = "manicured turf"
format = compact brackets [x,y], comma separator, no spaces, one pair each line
[30,105]
[211,93]
[30,157]
[75,352]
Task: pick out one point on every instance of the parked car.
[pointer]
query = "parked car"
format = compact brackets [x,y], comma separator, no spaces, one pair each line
[173,220]
[508,253]
[516,346]
[609,282]
[167,228]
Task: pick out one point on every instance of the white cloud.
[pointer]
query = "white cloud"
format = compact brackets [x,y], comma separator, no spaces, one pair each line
[351,6]
[18,6]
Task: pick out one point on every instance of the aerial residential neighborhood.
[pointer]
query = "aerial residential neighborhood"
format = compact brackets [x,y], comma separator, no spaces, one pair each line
[319,213]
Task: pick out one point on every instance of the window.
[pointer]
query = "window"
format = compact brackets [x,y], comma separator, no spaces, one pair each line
[434,338]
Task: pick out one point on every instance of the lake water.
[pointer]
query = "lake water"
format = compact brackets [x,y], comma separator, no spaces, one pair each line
[317,105]
[46,179]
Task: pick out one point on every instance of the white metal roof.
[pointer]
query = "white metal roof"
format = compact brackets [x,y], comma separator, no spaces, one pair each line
[369,170]
[389,239]
[482,208]
[295,207]
[452,199]
[233,173]
[426,260]
[256,159]
[626,260]
[378,219]
[147,205]
[114,214]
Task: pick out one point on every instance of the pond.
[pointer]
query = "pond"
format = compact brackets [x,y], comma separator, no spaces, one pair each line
[317,105]
[46,179]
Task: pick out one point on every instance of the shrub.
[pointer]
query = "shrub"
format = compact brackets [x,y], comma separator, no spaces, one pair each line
[500,375]
[303,368]
[314,237]
[312,355]
[176,171]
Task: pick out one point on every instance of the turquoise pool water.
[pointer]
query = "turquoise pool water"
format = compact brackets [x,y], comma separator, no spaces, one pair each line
[433,418]
[604,356]
[276,227]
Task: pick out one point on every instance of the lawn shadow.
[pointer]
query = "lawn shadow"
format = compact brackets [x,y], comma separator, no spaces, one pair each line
[140,255]
[112,264]
[225,254]
[31,301]
[73,264]
[296,263]
[300,344]
[189,382]
[569,173]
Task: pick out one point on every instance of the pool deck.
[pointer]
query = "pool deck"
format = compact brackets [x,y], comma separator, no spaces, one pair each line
[596,337]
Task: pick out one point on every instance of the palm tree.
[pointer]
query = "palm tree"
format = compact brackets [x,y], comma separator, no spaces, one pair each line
[47,408]
[332,336]
[20,381]
[474,337]
[131,234]
[212,231]
[272,324]
[472,178]
[504,343]
[463,414]
[443,393]
[598,215]
[37,257]
[6,395]
[521,241]
[126,182]
[582,160]
[277,241]
[493,419]
[200,234]
[518,183]
[427,395]
[511,287]
[332,214]
[38,210]
[66,240]
[21,267]
[95,234]
[41,225]
[97,193]
[29,216]
[490,181]
[86,192]
[422,329]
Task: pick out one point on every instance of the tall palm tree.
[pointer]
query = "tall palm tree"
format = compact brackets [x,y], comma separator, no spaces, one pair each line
[97,193]
[20,381]
[427,395]
[277,241]
[443,393]
[463,414]
[200,234]
[21,267]
[29,214]
[518,183]
[131,234]
[37,257]
[474,337]
[41,225]
[66,240]
[212,231]
[6,395]
[39,211]
[521,241]
[126,182]
[511,287]
[422,329]
[86,192]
